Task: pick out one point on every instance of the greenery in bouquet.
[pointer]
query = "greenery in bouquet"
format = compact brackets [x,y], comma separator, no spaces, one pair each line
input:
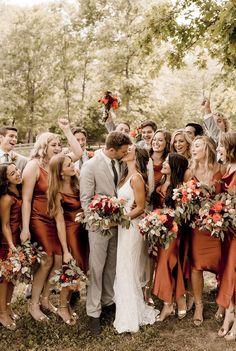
[218,215]
[19,263]
[103,213]
[159,228]
[70,275]
[188,200]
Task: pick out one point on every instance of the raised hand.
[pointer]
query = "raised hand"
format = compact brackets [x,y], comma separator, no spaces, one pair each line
[63,123]
[206,105]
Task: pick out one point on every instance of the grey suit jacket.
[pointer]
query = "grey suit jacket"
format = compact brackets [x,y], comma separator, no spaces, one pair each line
[20,161]
[96,178]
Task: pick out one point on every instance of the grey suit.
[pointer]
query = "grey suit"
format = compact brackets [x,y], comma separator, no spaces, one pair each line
[96,178]
[20,161]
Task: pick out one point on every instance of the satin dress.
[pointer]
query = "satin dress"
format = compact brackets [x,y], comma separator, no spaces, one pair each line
[169,279]
[227,289]
[205,249]
[15,225]
[76,234]
[42,227]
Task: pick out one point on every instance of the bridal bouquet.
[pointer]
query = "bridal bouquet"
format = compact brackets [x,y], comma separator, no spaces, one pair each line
[109,102]
[104,212]
[189,199]
[159,227]
[19,263]
[218,215]
[70,275]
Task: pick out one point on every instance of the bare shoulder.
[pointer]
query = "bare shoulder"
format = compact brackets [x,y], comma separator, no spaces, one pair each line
[6,200]
[137,179]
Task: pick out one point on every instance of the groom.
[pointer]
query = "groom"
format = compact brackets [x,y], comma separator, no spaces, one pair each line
[101,175]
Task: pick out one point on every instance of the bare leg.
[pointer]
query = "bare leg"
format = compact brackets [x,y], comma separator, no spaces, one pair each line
[5,318]
[167,310]
[39,279]
[149,285]
[231,336]
[63,309]
[10,290]
[182,307]
[197,286]
[228,320]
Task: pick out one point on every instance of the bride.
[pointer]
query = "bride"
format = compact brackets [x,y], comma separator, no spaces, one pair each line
[131,310]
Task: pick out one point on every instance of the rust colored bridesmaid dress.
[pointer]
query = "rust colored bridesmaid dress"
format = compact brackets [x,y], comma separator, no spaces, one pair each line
[227,289]
[15,225]
[76,234]
[169,280]
[206,250]
[43,228]
[157,173]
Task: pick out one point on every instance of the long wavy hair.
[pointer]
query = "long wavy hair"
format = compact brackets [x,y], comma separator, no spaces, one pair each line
[167,137]
[178,166]
[4,182]
[228,140]
[186,137]
[40,148]
[142,159]
[55,182]
[210,154]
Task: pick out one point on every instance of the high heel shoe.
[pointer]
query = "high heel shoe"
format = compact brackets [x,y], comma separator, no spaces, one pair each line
[198,321]
[73,313]
[43,316]
[231,336]
[13,315]
[189,301]
[10,326]
[219,315]
[167,310]
[47,305]
[182,307]
[182,314]
[223,331]
[71,321]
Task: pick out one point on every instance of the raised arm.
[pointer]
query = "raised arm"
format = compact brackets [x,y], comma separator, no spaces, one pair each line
[5,210]
[29,178]
[77,151]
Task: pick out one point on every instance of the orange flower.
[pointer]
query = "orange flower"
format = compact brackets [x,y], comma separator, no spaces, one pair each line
[217,207]
[175,227]
[216,217]
[163,218]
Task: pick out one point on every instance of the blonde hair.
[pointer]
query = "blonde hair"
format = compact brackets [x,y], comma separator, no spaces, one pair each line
[210,154]
[228,140]
[55,181]
[40,148]
[186,137]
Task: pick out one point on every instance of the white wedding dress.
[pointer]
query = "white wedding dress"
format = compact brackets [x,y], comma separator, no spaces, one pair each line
[131,310]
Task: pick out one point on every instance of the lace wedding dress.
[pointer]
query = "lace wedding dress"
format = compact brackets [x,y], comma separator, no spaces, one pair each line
[131,310]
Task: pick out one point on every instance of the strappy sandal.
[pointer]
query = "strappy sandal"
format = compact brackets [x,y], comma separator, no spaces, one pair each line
[49,306]
[167,310]
[9,326]
[219,315]
[13,315]
[231,336]
[147,298]
[71,321]
[73,313]
[42,318]
[223,331]
[189,301]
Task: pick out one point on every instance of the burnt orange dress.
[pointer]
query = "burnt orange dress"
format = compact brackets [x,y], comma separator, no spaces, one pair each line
[15,225]
[157,173]
[169,278]
[76,234]
[227,289]
[42,227]
[205,249]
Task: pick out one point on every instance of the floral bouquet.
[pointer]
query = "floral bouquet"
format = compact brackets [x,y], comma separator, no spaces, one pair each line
[218,215]
[19,263]
[70,275]
[109,102]
[189,199]
[104,212]
[159,227]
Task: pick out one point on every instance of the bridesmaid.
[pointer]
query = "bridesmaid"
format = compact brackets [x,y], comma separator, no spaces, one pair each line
[160,147]
[181,143]
[169,280]
[227,293]
[205,250]
[10,210]
[63,205]
[36,221]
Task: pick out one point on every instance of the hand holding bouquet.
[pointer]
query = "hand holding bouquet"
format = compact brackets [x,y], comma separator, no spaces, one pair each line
[70,275]
[189,199]
[103,213]
[109,102]
[159,227]
[218,214]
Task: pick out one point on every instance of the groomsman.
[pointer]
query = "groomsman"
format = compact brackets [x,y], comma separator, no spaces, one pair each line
[8,141]
[122,127]
[148,129]
[101,175]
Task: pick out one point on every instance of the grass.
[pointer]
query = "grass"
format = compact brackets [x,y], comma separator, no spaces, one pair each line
[170,335]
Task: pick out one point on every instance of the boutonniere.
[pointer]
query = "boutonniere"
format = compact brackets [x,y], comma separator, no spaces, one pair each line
[13,156]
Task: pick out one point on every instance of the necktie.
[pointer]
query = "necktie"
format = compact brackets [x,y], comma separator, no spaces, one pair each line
[7,158]
[114,172]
